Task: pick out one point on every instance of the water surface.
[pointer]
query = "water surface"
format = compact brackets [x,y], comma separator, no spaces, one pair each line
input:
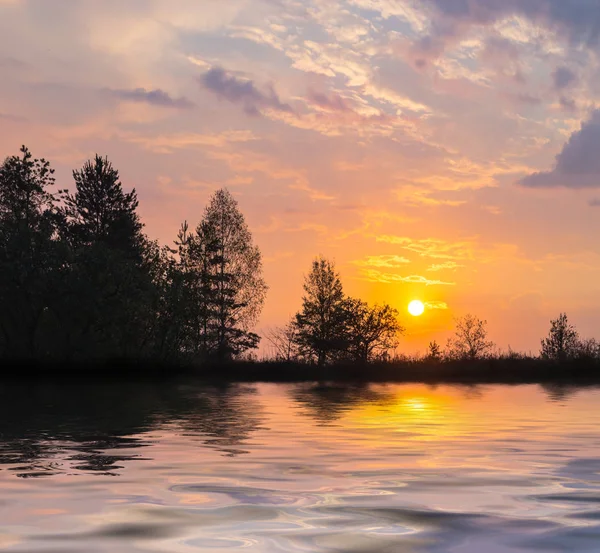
[185,467]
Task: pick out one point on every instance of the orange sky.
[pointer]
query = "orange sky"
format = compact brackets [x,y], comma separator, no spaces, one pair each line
[415,143]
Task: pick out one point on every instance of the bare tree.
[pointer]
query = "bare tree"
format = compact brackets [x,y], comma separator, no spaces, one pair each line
[469,340]
[283,341]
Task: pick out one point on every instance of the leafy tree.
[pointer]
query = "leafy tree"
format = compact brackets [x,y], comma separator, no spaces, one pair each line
[321,323]
[371,331]
[222,272]
[30,262]
[470,339]
[562,342]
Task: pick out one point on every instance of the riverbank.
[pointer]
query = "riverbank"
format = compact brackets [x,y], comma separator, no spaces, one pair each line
[492,371]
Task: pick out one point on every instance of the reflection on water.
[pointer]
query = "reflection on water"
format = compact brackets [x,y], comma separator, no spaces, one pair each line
[99,467]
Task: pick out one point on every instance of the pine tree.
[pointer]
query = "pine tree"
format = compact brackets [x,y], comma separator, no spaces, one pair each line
[111,297]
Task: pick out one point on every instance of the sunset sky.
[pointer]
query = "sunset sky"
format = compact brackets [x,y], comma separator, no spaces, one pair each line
[441,150]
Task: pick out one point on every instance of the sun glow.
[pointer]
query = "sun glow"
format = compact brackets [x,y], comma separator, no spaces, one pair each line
[416,308]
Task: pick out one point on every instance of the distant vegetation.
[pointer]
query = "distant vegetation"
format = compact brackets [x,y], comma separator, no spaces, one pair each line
[80,282]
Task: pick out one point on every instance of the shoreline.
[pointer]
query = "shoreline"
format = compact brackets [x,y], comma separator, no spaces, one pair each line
[486,371]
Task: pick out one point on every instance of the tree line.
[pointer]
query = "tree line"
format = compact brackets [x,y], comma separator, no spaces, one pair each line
[334,328]
[80,280]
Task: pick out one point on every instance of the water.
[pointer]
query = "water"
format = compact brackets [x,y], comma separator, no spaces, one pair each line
[183,467]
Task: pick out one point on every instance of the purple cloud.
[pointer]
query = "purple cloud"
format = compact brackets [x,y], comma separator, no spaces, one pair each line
[334,102]
[578,165]
[241,91]
[578,21]
[563,77]
[153,97]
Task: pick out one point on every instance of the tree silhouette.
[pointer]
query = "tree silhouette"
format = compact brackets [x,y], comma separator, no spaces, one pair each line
[434,352]
[470,339]
[100,211]
[30,264]
[371,331]
[321,322]
[283,340]
[562,342]
[222,271]
[109,304]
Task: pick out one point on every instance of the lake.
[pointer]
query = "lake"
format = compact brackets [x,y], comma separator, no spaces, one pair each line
[186,467]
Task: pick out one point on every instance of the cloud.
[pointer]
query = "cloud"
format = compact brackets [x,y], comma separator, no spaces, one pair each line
[577,20]
[333,102]
[448,265]
[153,97]
[382,261]
[567,104]
[242,91]
[430,247]
[373,275]
[436,305]
[577,165]
[563,77]
[12,118]
[168,143]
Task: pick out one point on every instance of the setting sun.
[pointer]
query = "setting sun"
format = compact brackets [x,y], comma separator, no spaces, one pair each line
[416,308]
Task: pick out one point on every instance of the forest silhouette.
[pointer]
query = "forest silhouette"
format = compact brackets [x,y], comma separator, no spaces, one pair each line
[82,286]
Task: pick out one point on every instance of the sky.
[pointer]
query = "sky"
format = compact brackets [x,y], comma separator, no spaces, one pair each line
[441,150]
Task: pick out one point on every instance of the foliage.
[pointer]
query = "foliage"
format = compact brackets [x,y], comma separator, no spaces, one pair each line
[30,263]
[107,306]
[332,327]
[470,339]
[221,274]
[80,281]
[100,211]
[562,342]
[588,349]
[371,331]
[321,321]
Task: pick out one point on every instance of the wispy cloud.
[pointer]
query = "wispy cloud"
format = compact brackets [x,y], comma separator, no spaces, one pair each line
[448,266]
[331,102]
[441,305]
[155,97]
[374,275]
[382,261]
[168,143]
[243,91]
[430,247]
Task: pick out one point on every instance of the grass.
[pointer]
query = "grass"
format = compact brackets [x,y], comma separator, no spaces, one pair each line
[493,370]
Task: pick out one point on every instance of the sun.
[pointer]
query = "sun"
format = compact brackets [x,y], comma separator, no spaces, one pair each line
[416,308]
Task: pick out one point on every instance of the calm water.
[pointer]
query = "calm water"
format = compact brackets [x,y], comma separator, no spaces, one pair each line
[269,468]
